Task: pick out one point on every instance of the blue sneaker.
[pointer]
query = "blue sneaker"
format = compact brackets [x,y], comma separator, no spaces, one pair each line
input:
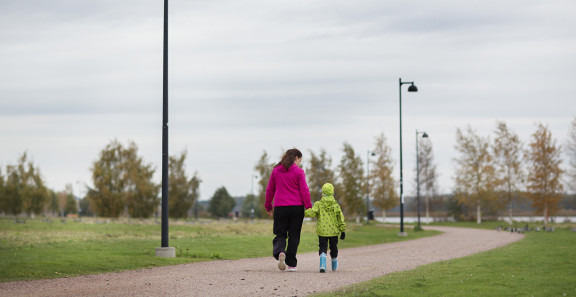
[323,262]
[334,264]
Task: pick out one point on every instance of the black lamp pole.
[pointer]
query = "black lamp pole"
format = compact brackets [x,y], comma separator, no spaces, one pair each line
[424,135]
[165,133]
[411,88]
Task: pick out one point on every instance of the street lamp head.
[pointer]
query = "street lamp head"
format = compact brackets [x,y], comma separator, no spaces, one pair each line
[425,135]
[373,154]
[412,88]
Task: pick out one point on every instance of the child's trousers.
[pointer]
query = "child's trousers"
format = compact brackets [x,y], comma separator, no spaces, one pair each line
[323,245]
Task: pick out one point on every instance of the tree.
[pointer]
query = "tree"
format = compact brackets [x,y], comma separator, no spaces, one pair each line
[184,191]
[24,189]
[507,151]
[85,209]
[352,182]
[221,203]
[123,183]
[52,205]
[318,173]
[571,150]
[3,202]
[475,178]
[383,189]
[249,206]
[428,174]
[264,169]
[544,174]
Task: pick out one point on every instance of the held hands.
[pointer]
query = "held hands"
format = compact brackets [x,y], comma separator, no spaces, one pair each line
[343,235]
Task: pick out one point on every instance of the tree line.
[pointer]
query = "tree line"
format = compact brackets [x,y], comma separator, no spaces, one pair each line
[489,176]
[493,174]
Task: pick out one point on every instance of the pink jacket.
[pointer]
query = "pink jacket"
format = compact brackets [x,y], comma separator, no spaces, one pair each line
[287,188]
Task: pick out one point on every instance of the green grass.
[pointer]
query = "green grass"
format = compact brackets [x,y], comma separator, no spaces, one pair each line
[541,264]
[37,249]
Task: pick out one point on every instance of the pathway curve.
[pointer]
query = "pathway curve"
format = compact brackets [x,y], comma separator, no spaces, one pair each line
[261,277]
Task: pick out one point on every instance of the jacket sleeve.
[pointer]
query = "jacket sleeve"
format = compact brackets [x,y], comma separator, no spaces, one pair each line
[304,191]
[312,212]
[270,190]
[340,220]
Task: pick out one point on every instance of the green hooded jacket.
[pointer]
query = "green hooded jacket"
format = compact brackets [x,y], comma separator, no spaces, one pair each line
[330,218]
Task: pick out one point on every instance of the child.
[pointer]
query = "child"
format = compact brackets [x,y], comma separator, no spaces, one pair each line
[329,224]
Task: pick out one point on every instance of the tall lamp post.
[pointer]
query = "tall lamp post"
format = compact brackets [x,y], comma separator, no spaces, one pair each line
[424,135]
[411,88]
[368,154]
[165,250]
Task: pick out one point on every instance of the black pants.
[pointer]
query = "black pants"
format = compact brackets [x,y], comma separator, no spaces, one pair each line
[287,225]
[323,245]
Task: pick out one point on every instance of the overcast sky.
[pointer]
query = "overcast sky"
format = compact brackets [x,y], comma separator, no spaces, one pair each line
[248,76]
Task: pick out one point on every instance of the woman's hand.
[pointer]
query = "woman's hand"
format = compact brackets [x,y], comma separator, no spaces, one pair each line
[270,212]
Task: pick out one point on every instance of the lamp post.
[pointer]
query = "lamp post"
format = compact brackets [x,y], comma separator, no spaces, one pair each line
[368,154]
[411,88]
[165,251]
[424,135]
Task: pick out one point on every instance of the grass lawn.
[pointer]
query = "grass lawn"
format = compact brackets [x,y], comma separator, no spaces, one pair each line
[541,264]
[39,249]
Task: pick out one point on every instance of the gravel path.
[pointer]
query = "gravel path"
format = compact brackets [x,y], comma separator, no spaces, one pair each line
[261,277]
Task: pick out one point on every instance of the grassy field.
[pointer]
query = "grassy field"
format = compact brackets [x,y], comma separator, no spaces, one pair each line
[48,249]
[542,264]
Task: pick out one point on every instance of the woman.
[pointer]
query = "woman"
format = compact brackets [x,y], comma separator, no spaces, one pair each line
[288,189]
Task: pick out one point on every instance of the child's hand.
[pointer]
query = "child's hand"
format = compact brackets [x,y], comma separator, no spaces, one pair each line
[343,235]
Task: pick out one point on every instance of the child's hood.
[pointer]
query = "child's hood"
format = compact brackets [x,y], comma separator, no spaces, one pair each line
[328,200]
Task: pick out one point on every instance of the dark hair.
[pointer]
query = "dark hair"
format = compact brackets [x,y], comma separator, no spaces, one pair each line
[289,158]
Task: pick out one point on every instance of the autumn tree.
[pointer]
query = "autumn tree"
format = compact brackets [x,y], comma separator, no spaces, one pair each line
[352,182]
[249,206]
[3,206]
[183,190]
[544,172]
[23,188]
[383,187]
[571,150]
[66,201]
[264,169]
[426,171]
[123,183]
[318,173]
[475,178]
[507,151]
[52,204]
[221,203]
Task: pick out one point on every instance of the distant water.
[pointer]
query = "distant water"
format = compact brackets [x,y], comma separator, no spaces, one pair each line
[557,219]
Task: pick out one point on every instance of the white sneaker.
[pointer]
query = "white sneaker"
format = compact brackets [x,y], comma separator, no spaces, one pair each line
[281,263]
[291,268]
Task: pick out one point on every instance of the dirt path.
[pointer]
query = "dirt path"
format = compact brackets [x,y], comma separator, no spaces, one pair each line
[261,277]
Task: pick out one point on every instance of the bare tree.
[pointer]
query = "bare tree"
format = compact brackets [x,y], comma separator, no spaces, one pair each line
[507,150]
[475,178]
[428,174]
[544,174]
[383,189]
